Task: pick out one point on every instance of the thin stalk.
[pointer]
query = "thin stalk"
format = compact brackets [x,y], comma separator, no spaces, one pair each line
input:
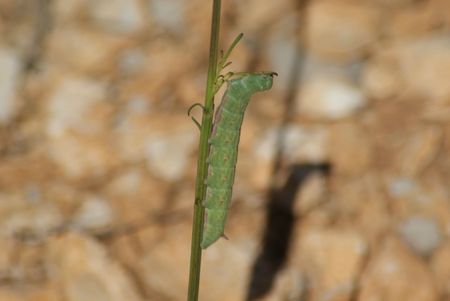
[202,166]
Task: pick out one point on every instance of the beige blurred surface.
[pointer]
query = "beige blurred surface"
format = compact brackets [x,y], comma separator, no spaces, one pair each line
[98,156]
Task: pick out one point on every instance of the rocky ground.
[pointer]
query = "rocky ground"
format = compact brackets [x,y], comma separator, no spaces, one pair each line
[342,185]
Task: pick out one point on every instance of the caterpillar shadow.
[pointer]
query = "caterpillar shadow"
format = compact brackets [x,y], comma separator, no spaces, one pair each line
[279,227]
[280,218]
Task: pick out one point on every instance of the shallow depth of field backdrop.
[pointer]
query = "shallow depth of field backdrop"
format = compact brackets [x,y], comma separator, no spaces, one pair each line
[342,186]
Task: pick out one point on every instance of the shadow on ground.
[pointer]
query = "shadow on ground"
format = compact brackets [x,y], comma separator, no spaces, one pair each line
[280,218]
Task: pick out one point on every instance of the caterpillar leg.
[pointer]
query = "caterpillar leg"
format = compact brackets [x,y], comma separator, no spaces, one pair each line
[214,228]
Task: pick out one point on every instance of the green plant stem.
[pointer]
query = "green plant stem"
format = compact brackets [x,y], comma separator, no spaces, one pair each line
[202,166]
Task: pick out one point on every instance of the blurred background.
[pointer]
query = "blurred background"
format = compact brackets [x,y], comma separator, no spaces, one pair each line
[342,187]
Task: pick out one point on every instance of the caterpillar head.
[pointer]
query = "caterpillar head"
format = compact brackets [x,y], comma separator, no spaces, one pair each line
[264,80]
[259,81]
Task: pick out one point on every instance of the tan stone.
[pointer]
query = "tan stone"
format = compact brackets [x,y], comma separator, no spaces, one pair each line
[94,214]
[373,208]
[118,16]
[393,273]
[424,64]
[68,11]
[255,12]
[414,20]
[437,112]
[440,264]
[351,150]
[358,201]
[381,79]
[84,271]
[165,141]
[6,295]
[9,83]
[420,150]
[391,3]
[81,156]
[77,48]
[164,267]
[138,199]
[160,9]
[35,221]
[6,253]
[427,197]
[332,260]
[46,293]
[157,76]
[329,98]
[77,103]
[421,234]
[341,31]
[429,60]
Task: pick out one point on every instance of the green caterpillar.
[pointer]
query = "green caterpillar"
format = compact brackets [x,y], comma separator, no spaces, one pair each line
[224,148]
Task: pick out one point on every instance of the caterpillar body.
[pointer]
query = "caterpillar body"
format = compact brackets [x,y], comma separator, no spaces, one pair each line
[223,152]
